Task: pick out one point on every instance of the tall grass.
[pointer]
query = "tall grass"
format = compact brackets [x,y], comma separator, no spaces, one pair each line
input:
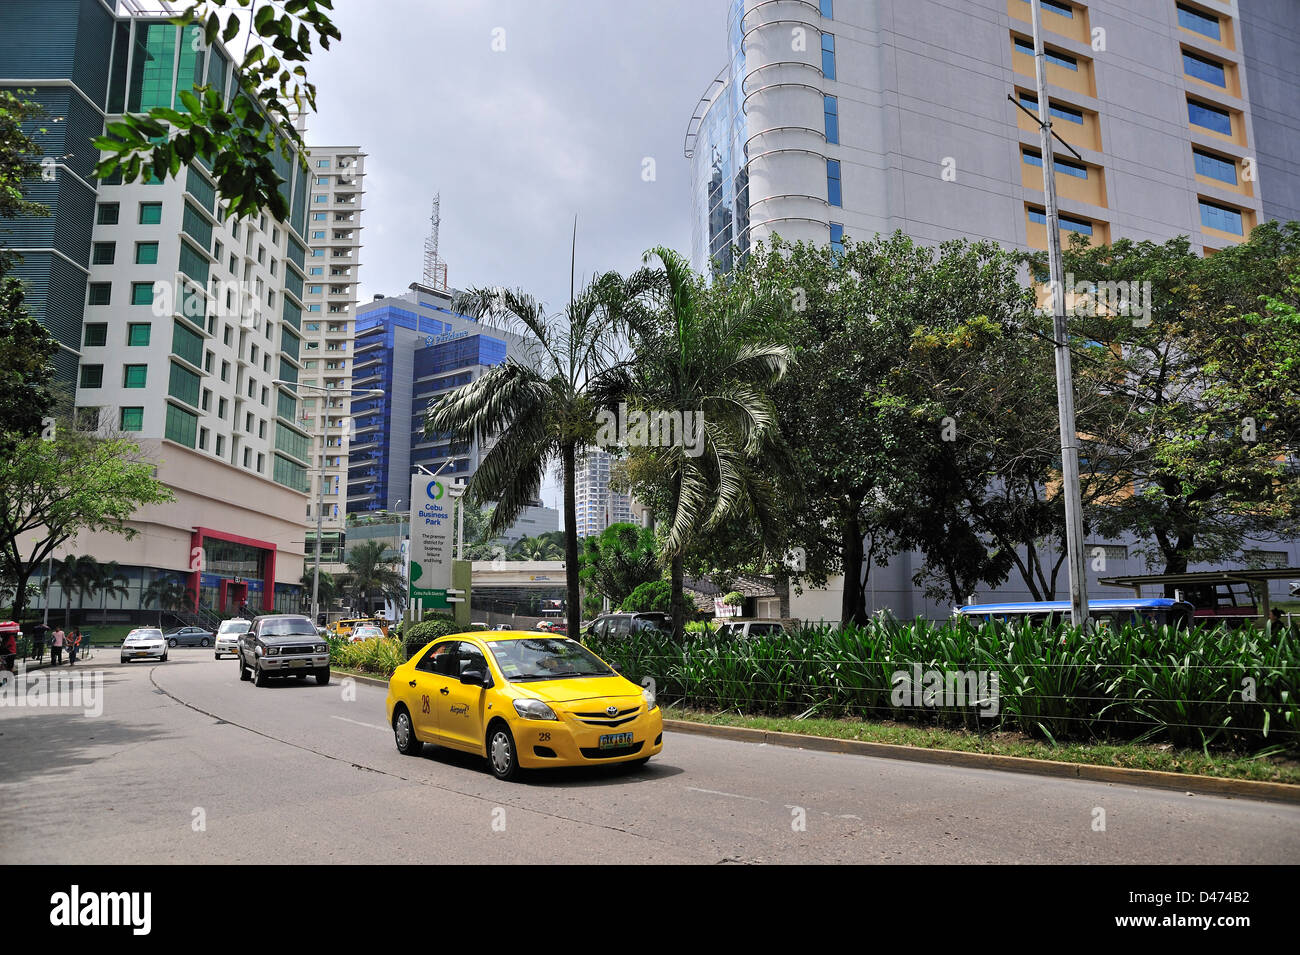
[379,655]
[1207,686]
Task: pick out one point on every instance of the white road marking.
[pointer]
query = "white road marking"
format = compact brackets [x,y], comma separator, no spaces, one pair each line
[359,723]
[714,792]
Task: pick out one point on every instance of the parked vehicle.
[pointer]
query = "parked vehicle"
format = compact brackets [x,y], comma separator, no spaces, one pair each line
[521,700]
[189,637]
[744,629]
[344,628]
[551,626]
[1156,611]
[626,624]
[365,632]
[144,643]
[226,639]
[283,645]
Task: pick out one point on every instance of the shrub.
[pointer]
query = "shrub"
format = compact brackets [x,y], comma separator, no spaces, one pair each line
[734,599]
[431,628]
[655,595]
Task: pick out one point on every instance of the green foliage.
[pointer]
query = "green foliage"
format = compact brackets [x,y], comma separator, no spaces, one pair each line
[734,599]
[240,137]
[428,630]
[655,595]
[19,155]
[372,572]
[617,561]
[1054,682]
[379,655]
[76,483]
[542,547]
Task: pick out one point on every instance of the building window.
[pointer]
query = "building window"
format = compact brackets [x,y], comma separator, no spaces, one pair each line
[1209,117]
[832,107]
[107,213]
[134,376]
[132,419]
[1060,112]
[1215,167]
[1210,71]
[206,403]
[1053,56]
[828,9]
[837,239]
[1062,165]
[141,293]
[104,253]
[150,213]
[101,293]
[1068,223]
[1223,218]
[828,55]
[833,194]
[317,270]
[319,198]
[1198,22]
[137,333]
[92,376]
[221,445]
[322,163]
[95,333]
[203,439]
[225,371]
[1064,9]
[146,253]
[221,408]
[318,235]
[320,217]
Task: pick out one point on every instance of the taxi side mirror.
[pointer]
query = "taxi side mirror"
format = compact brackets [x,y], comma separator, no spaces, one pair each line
[476,678]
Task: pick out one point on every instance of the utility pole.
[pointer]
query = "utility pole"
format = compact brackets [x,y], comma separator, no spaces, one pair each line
[320,505]
[1064,374]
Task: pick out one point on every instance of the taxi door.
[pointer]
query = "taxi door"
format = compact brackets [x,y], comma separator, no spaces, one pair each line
[461,706]
[422,693]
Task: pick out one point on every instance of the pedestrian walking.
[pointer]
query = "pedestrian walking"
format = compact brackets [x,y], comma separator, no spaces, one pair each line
[8,646]
[56,647]
[38,641]
[74,644]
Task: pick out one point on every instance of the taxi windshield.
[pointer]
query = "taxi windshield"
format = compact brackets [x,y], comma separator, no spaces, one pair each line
[545,658]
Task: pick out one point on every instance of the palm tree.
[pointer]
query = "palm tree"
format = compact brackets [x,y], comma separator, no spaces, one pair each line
[72,574]
[714,357]
[109,582]
[371,573]
[536,548]
[326,589]
[169,593]
[545,410]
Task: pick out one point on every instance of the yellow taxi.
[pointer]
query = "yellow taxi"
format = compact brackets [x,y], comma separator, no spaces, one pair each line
[522,700]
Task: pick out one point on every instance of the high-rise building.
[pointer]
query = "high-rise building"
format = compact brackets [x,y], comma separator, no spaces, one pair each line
[596,505]
[330,300]
[414,348]
[838,118]
[178,325]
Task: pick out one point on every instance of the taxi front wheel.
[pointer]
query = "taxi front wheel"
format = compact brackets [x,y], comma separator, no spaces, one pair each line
[404,734]
[502,756]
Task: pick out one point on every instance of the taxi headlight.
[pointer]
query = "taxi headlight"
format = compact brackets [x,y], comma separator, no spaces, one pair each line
[649,696]
[534,710]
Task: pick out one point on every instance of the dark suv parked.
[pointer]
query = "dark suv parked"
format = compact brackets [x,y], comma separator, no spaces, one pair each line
[283,645]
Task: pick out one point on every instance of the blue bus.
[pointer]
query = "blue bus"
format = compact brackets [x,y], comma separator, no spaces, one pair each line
[1152,611]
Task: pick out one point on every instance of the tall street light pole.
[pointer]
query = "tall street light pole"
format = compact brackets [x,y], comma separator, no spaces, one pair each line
[1064,374]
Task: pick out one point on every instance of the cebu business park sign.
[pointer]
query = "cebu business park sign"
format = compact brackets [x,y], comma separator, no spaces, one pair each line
[431,541]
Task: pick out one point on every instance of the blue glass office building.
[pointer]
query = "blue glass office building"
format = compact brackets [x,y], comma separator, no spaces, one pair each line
[414,349]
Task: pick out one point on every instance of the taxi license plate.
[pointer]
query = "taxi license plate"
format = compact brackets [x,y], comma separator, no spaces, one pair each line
[614,740]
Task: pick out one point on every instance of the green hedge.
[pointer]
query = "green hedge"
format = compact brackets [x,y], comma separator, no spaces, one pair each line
[1191,687]
[430,628]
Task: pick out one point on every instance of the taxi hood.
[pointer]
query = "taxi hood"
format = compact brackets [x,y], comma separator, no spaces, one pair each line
[575,689]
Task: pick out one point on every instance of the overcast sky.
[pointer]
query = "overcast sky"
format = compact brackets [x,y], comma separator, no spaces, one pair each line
[518,140]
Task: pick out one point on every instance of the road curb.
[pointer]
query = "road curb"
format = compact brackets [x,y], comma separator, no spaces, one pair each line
[1204,785]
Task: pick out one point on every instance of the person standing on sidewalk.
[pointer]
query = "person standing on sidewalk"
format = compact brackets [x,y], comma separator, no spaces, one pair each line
[38,641]
[56,647]
[74,644]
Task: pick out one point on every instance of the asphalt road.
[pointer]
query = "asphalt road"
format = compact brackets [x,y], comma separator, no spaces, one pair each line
[186,764]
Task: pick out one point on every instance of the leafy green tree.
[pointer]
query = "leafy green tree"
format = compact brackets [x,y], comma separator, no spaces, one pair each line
[535,548]
[327,589]
[239,137]
[712,359]
[617,561]
[372,572]
[52,490]
[654,595]
[541,411]
[1205,436]
[19,154]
